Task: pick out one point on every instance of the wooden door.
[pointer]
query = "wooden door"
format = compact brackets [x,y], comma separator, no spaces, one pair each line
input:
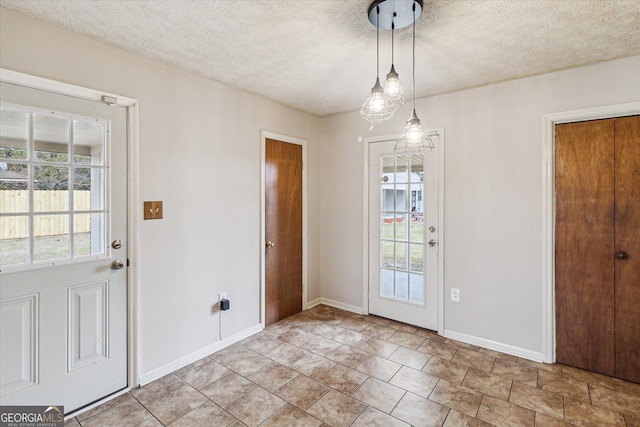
[283,230]
[627,246]
[598,246]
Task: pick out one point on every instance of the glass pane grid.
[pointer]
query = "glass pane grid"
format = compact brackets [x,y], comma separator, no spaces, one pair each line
[402,233]
[52,204]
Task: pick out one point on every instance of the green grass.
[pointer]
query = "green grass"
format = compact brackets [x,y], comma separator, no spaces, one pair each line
[416,234]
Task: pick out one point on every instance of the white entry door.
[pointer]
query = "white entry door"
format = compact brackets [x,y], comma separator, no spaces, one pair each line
[63,286]
[404,234]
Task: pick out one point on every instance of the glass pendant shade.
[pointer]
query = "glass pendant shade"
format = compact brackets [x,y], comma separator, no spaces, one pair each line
[414,139]
[393,88]
[377,108]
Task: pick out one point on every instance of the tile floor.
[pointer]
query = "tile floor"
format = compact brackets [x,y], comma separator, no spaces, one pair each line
[328,367]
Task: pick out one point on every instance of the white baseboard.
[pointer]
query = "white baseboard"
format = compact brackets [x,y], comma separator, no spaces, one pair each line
[335,304]
[161,371]
[495,345]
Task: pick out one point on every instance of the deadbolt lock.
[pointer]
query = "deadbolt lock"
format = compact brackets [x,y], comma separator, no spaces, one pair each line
[116,244]
[432,229]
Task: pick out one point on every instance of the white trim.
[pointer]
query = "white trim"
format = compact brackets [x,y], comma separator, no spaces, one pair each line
[548,209]
[264,135]
[161,371]
[440,232]
[96,404]
[494,345]
[133,185]
[336,304]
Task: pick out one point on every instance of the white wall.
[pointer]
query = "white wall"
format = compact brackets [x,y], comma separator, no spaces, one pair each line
[493,194]
[200,154]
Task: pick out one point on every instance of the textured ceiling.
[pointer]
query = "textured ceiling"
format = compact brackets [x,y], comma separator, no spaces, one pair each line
[319,55]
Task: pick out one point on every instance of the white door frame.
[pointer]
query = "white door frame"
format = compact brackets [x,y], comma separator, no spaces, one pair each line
[133,236]
[365,220]
[264,135]
[549,209]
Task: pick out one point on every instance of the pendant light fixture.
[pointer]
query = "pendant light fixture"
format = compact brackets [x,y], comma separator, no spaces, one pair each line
[377,108]
[414,138]
[392,86]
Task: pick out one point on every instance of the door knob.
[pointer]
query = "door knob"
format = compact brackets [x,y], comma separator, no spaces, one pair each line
[621,255]
[432,243]
[270,244]
[117,265]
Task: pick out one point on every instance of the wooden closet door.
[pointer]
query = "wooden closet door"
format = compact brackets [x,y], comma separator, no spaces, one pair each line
[627,246]
[585,245]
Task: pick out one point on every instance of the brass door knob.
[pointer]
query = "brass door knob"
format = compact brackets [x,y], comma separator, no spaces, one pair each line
[117,265]
[621,255]
[432,243]
[270,244]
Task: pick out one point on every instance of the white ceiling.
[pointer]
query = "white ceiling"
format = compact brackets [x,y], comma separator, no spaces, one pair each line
[319,55]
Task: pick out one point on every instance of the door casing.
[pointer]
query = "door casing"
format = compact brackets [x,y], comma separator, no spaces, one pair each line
[291,140]
[365,221]
[133,201]
[549,209]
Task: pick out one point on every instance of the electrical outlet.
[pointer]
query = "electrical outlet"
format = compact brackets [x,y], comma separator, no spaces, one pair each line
[221,296]
[455,294]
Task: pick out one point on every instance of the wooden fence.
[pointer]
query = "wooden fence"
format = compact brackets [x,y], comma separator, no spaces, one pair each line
[17,201]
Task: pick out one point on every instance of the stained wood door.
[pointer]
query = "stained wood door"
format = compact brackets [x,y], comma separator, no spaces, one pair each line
[283,230]
[598,246]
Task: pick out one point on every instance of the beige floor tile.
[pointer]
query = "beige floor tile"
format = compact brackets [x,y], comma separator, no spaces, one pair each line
[408,357]
[290,416]
[378,347]
[286,354]
[244,361]
[406,339]
[419,411]
[631,421]
[262,344]
[126,397]
[458,419]
[379,394]
[537,400]
[157,388]
[202,373]
[302,391]
[337,409]
[627,387]
[500,413]
[402,326]
[378,367]
[171,406]
[149,422]
[588,377]
[71,422]
[582,414]
[378,331]
[208,414]
[278,328]
[473,359]
[416,382]
[543,420]
[355,323]
[324,330]
[273,376]
[379,320]
[439,349]
[498,355]
[320,345]
[297,336]
[462,344]
[255,407]
[432,335]
[312,364]
[565,386]
[626,404]
[449,371]
[516,372]
[228,389]
[493,385]
[552,368]
[350,337]
[128,413]
[348,356]
[457,397]
[372,417]
[343,379]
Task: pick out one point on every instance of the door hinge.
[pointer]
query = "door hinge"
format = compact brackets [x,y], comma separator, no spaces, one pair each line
[127,262]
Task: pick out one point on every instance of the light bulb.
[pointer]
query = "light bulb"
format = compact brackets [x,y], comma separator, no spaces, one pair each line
[414,133]
[377,102]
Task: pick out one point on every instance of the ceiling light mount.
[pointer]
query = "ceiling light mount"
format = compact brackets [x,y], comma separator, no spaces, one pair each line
[397,13]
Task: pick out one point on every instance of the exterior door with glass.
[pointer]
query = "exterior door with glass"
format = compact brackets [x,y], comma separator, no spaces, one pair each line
[63,285]
[404,234]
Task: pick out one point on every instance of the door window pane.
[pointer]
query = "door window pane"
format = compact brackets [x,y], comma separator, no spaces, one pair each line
[14,133]
[87,142]
[51,237]
[14,240]
[51,138]
[88,235]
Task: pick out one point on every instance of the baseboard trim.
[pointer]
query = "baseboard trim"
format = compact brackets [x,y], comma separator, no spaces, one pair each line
[335,304]
[161,371]
[495,345]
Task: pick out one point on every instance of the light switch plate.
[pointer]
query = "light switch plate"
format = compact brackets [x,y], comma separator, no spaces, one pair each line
[153,210]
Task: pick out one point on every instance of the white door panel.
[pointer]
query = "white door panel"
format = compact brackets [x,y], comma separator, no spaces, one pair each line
[404,234]
[64,319]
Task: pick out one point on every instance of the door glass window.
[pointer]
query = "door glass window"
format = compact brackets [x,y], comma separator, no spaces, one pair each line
[402,228]
[52,187]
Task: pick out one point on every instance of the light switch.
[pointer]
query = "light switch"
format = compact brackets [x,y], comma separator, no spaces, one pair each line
[153,210]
